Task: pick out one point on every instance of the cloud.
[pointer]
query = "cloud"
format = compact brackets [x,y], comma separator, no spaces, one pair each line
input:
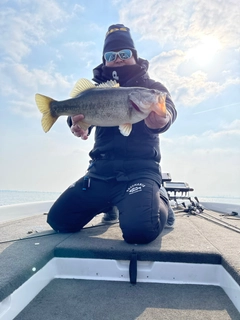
[55,160]
[187,90]
[209,168]
[21,75]
[183,21]
[78,9]
[188,85]
[24,108]
[19,84]
[85,49]
[28,24]
[189,25]
[226,135]
[209,154]
[235,124]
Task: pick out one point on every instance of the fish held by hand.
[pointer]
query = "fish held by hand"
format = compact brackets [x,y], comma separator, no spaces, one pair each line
[106,105]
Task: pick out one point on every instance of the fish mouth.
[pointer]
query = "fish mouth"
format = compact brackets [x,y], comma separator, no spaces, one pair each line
[135,106]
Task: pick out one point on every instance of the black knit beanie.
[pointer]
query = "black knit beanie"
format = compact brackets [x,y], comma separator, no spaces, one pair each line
[118,37]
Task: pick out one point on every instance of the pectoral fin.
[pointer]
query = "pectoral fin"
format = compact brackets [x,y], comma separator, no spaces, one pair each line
[125,129]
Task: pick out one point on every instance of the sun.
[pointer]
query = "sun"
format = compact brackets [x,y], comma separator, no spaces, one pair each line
[204,53]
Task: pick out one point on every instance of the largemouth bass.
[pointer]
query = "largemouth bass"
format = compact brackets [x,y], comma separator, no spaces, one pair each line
[106,105]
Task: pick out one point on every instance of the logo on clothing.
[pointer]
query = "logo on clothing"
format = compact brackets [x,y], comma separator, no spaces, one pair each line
[137,187]
[115,75]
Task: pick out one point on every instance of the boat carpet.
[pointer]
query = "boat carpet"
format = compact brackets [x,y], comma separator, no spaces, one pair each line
[108,300]
[193,240]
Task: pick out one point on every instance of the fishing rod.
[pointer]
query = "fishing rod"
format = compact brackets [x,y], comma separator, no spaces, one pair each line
[50,234]
[196,209]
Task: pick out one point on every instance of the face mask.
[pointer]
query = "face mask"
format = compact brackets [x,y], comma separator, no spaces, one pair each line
[121,74]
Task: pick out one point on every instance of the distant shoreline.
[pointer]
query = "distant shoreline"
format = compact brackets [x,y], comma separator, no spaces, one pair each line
[8,197]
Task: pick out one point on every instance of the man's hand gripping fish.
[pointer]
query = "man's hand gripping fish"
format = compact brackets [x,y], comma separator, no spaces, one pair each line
[106,105]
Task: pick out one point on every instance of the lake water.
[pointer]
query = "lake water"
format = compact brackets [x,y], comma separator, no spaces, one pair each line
[8,197]
[14,197]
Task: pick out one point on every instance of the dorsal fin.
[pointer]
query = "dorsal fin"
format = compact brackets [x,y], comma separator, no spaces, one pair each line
[84,84]
[80,86]
[109,84]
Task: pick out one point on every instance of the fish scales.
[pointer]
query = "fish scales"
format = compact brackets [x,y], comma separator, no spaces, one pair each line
[106,105]
[97,105]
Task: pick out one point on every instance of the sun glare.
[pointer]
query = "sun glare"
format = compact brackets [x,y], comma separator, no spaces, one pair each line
[204,52]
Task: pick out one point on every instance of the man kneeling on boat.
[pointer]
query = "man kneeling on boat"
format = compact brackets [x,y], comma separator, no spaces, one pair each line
[124,171]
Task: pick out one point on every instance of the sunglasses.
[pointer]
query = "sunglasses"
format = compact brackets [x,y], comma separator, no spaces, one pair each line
[123,54]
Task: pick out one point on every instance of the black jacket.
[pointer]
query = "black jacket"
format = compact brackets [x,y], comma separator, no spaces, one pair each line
[138,155]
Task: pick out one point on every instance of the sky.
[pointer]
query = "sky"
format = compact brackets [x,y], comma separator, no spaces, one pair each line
[193,47]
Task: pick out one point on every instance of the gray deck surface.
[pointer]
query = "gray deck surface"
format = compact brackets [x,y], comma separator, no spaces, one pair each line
[193,240]
[83,299]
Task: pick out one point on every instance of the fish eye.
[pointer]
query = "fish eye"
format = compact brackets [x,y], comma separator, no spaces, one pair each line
[153,91]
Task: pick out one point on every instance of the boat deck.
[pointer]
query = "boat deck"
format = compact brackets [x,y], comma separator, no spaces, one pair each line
[84,299]
[196,239]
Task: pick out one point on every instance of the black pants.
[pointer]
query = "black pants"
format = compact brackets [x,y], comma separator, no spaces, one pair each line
[142,211]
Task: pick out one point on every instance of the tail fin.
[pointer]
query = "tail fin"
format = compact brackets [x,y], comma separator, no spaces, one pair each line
[43,104]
